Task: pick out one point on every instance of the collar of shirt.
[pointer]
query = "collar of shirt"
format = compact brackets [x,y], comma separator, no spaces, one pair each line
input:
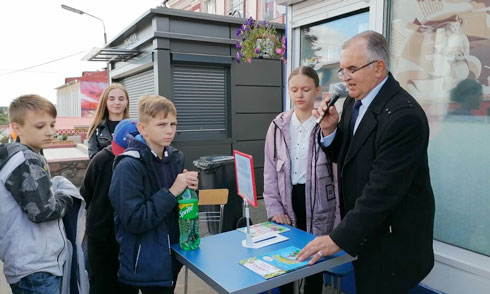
[307,124]
[366,101]
[165,154]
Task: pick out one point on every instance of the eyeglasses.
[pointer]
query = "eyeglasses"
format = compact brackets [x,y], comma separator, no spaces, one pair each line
[349,72]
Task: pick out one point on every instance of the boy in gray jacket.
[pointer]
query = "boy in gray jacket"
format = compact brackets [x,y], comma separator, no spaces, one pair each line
[33,244]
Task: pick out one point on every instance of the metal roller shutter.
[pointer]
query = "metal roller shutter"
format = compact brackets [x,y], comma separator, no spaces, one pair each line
[200,95]
[138,85]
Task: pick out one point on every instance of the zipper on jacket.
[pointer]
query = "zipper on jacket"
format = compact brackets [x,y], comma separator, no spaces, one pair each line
[64,244]
[137,259]
[275,148]
[104,137]
[168,239]
[283,139]
[99,134]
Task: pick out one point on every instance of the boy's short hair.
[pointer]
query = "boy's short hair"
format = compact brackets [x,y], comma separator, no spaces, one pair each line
[31,102]
[151,106]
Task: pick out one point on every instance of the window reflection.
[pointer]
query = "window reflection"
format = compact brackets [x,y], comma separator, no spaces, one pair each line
[465,98]
[271,11]
[321,43]
[321,46]
[237,7]
[440,55]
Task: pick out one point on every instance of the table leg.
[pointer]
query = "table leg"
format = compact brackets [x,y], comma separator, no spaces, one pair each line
[186,276]
[296,287]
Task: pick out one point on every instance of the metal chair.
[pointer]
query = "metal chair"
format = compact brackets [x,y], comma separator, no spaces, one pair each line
[213,197]
[210,197]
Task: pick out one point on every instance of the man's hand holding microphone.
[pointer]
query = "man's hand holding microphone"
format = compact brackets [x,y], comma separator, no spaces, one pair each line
[327,115]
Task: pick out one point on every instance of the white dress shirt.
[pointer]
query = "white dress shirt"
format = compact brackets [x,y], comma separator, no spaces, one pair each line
[299,136]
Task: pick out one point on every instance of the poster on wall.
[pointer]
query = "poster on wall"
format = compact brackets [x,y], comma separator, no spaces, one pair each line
[90,95]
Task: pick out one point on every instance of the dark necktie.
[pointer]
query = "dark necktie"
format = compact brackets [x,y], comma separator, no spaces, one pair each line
[355,113]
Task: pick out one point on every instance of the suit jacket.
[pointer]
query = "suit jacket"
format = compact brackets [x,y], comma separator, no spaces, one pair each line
[387,204]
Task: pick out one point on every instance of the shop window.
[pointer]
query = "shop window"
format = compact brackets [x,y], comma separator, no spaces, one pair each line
[271,12]
[321,44]
[237,8]
[440,55]
[210,6]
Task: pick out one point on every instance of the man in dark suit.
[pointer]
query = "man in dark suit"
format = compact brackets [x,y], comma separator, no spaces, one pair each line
[380,147]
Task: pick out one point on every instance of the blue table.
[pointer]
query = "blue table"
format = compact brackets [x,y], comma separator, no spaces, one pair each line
[217,262]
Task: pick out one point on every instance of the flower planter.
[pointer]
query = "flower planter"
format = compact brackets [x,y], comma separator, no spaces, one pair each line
[259,40]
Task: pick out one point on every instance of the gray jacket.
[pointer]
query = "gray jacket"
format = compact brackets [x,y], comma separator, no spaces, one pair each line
[32,233]
[75,275]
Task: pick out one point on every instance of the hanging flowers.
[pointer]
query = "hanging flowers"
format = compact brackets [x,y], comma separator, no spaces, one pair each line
[259,40]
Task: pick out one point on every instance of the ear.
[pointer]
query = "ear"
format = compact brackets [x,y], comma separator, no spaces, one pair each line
[380,68]
[141,128]
[16,128]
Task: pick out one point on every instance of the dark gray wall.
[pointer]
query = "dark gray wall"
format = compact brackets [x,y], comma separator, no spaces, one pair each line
[255,102]
[255,89]
[257,97]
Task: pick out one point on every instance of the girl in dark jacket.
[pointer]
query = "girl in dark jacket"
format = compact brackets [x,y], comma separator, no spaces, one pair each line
[103,249]
[113,107]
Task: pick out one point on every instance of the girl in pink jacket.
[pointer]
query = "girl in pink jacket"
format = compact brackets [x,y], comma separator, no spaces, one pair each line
[298,179]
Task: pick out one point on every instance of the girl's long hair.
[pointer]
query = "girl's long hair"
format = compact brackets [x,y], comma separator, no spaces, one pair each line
[102,112]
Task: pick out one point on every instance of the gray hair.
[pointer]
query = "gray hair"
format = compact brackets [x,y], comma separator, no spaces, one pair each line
[376,45]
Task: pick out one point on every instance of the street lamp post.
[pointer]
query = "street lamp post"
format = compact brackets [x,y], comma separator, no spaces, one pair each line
[82,12]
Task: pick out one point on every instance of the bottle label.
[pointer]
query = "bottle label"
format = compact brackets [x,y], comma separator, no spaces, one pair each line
[188,209]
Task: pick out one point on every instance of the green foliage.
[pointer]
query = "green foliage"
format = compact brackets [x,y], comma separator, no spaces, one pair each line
[4,118]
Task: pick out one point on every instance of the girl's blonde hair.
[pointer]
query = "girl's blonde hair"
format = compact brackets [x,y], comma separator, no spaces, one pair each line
[102,112]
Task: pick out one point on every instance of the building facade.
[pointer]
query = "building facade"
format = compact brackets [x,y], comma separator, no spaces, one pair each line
[439,53]
[258,9]
[188,57]
[79,96]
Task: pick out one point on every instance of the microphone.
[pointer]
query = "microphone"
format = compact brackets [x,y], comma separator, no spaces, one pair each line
[340,91]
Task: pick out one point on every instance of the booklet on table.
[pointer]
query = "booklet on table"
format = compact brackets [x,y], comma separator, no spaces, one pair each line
[265,228]
[275,263]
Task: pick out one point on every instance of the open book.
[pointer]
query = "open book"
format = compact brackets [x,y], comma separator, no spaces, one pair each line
[275,263]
